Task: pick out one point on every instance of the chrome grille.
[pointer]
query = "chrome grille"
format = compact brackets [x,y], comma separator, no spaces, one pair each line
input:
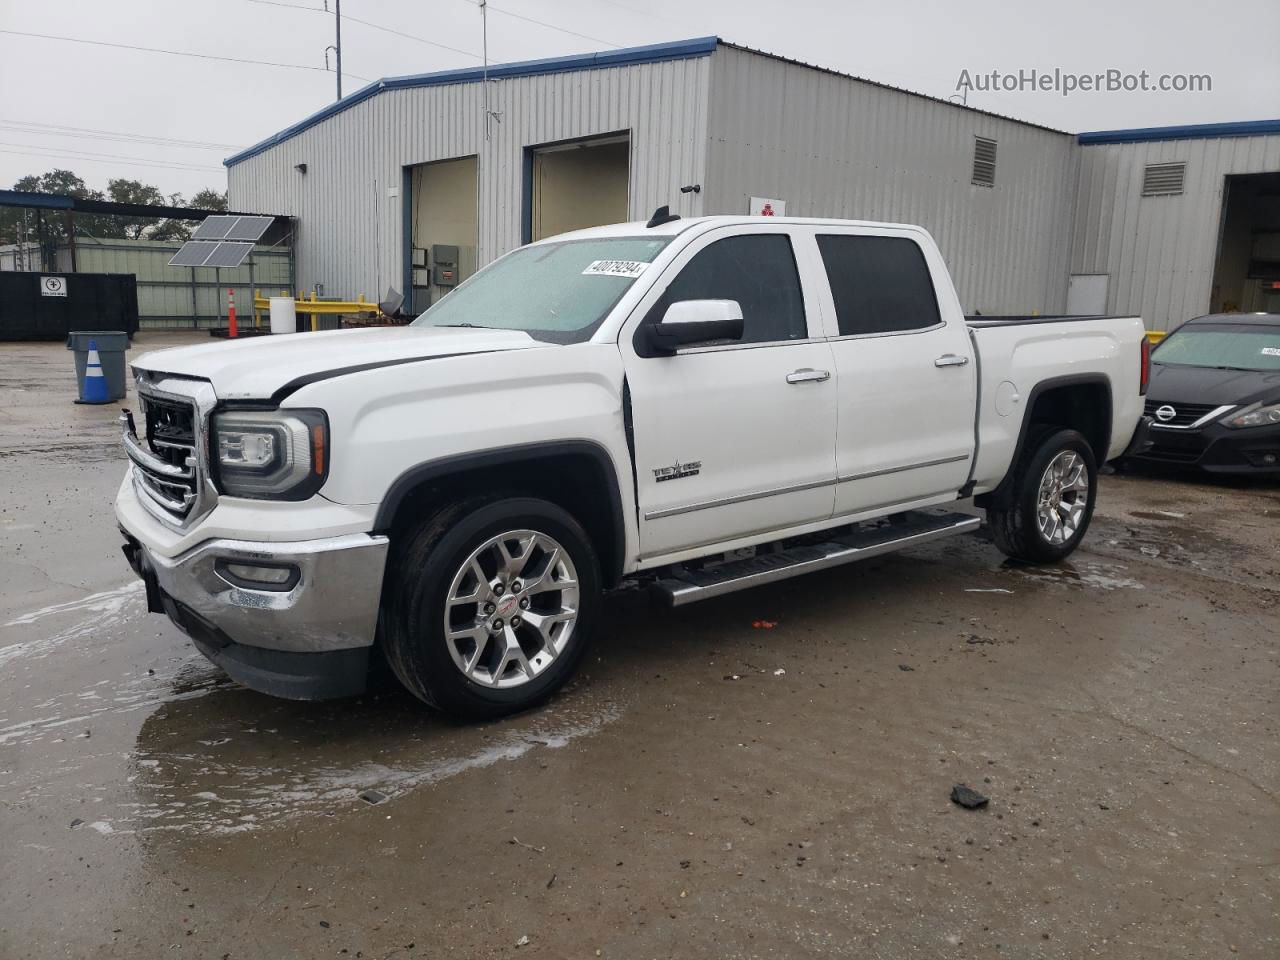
[169,466]
[1184,414]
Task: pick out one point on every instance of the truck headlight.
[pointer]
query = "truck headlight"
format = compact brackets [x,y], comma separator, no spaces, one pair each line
[270,454]
[1257,415]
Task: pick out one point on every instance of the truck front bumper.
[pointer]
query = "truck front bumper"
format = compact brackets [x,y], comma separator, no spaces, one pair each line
[306,637]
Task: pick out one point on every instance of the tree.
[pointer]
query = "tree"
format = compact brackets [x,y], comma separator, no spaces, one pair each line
[210,199]
[55,228]
[102,226]
[135,191]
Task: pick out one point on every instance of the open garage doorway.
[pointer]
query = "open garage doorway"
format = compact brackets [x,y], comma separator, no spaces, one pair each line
[443,227]
[1246,275]
[582,183]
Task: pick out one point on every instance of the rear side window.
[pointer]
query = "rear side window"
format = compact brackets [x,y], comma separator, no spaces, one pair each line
[879,284]
[759,271]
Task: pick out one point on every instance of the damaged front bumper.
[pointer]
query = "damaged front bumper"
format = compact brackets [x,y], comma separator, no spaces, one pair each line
[305,636]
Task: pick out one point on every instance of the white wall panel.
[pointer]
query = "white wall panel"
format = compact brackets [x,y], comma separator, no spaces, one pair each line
[835,146]
[1159,251]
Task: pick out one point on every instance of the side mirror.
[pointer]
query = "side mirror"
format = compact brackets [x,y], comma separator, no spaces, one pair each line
[695,321]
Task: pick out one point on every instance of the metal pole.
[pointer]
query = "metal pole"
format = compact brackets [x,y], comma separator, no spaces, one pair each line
[71,238]
[337,44]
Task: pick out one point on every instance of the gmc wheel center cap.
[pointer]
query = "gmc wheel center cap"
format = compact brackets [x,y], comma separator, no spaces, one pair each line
[506,605]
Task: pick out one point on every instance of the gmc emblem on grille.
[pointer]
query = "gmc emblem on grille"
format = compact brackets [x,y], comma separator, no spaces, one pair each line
[1166,413]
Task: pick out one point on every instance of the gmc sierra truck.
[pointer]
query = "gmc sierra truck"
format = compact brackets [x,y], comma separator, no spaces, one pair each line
[702,405]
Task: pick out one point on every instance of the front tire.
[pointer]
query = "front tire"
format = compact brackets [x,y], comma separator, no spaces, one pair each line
[1049,506]
[492,605]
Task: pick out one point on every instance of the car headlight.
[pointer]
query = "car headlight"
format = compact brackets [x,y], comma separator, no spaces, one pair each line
[1257,415]
[270,454]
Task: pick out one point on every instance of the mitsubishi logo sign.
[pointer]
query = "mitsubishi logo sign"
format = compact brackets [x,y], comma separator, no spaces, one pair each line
[1166,413]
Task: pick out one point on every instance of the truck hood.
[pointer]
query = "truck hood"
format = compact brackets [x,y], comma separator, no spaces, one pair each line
[1184,384]
[271,366]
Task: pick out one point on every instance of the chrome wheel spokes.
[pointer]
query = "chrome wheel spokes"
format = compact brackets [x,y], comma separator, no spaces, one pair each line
[511,608]
[1062,497]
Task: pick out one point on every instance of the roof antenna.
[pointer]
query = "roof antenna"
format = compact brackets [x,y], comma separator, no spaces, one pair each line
[495,115]
[662,215]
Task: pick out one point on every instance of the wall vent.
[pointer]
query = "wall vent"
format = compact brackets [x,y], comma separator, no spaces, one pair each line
[1163,179]
[984,162]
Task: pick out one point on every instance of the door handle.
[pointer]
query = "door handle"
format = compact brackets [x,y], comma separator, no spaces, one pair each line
[808,375]
[950,360]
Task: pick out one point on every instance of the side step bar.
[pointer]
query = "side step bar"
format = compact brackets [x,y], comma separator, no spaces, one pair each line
[871,540]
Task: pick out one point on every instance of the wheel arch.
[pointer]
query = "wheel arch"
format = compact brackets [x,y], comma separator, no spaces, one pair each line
[1080,402]
[578,475]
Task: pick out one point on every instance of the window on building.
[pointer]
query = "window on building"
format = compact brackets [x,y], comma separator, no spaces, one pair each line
[984,162]
[1163,179]
[758,271]
[879,284]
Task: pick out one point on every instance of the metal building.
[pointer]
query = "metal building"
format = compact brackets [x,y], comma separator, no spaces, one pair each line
[413,182]
[1176,222]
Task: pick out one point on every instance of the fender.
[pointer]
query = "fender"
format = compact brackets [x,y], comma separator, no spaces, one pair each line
[505,456]
[1073,380]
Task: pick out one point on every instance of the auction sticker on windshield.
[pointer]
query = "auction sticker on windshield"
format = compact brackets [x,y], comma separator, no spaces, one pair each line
[1271,351]
[615,268]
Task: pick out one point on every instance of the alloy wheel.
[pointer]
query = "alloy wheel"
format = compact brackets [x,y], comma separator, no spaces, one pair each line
[511,608]
[1062,497]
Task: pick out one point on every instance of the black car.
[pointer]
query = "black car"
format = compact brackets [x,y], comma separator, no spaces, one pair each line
[1214,395]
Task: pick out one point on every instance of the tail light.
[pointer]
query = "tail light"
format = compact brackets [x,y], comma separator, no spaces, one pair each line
[1144,370]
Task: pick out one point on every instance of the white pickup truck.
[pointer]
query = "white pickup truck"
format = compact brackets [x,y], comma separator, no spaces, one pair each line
[703,405]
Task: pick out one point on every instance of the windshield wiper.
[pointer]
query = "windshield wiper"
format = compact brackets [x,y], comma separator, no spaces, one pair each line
[474,326]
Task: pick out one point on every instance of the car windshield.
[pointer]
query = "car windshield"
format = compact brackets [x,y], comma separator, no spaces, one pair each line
[1223,348]
[553,291]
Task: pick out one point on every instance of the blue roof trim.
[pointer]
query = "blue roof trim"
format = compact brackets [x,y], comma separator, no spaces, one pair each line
[653,53]
[1195,131]
[20,198]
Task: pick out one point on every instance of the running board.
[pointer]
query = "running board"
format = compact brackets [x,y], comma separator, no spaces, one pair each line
[906,530]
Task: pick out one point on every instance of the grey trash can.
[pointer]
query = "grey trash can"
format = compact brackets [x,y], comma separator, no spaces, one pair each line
[112,345]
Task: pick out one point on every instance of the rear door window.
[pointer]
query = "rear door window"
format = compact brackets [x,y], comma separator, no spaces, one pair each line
[758,271]
[879,284]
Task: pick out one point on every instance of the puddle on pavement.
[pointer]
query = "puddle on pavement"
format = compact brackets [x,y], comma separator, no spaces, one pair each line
[201,767]
[1084,574]
[150,736]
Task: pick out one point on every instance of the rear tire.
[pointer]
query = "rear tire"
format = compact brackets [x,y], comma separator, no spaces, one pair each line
[491,605]
[1050,502]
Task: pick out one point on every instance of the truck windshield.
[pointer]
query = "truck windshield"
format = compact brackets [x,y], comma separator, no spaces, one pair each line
[1223,348]
[553,291]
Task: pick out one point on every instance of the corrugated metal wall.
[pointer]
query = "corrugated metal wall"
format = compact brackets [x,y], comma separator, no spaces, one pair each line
[348,205]
[1158,251]
[180,297]
[833,146]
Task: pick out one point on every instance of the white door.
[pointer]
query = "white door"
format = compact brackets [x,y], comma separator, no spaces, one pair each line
[906,371]
[732,440]
[1087,294]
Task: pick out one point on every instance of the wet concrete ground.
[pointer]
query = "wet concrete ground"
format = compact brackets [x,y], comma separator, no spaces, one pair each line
[765,775]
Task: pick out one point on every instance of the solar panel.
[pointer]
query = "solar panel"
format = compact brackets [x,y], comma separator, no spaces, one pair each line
[248,228]
[228,254]
[193,253]
[214,228]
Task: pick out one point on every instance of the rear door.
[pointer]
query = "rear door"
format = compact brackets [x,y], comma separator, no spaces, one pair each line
[906,369]
[733,440]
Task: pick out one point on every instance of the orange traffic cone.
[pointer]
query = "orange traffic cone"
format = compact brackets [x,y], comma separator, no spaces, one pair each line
[231,314]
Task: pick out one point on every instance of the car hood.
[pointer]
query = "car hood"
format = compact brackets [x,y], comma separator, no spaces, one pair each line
[1180,384]
[260,367]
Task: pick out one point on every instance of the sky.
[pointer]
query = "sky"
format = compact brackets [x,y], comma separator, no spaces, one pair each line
[170,120]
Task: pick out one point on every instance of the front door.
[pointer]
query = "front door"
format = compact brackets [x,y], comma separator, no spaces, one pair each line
[733,440]
[907,371]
